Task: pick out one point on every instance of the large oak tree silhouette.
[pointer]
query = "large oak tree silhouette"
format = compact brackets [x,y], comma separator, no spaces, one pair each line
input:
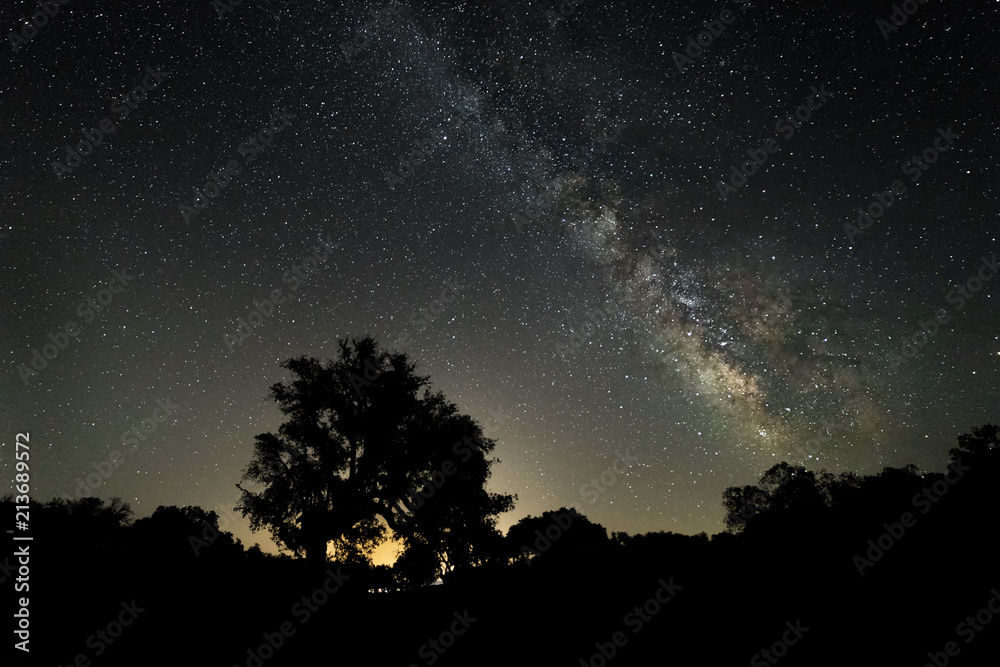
[365,439]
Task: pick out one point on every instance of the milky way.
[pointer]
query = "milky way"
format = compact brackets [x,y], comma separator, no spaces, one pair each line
[564,172]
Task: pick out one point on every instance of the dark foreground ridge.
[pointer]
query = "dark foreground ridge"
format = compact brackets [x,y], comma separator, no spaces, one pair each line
[898,568]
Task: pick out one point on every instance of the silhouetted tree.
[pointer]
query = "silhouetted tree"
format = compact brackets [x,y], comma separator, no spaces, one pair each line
[90,516]
[183,532]
[416,566]
[786,494]
[742,504]
[979,448]
[561,532]
[363,449]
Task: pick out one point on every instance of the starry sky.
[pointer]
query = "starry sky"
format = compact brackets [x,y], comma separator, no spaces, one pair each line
[619,244]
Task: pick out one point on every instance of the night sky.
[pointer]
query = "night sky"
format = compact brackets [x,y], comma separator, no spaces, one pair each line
[570,259]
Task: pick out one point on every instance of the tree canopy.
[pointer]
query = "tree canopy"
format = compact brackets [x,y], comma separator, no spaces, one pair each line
[789,495]
[365,446]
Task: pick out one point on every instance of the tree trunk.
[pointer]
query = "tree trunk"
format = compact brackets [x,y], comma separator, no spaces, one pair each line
[316,553]
[315,538]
